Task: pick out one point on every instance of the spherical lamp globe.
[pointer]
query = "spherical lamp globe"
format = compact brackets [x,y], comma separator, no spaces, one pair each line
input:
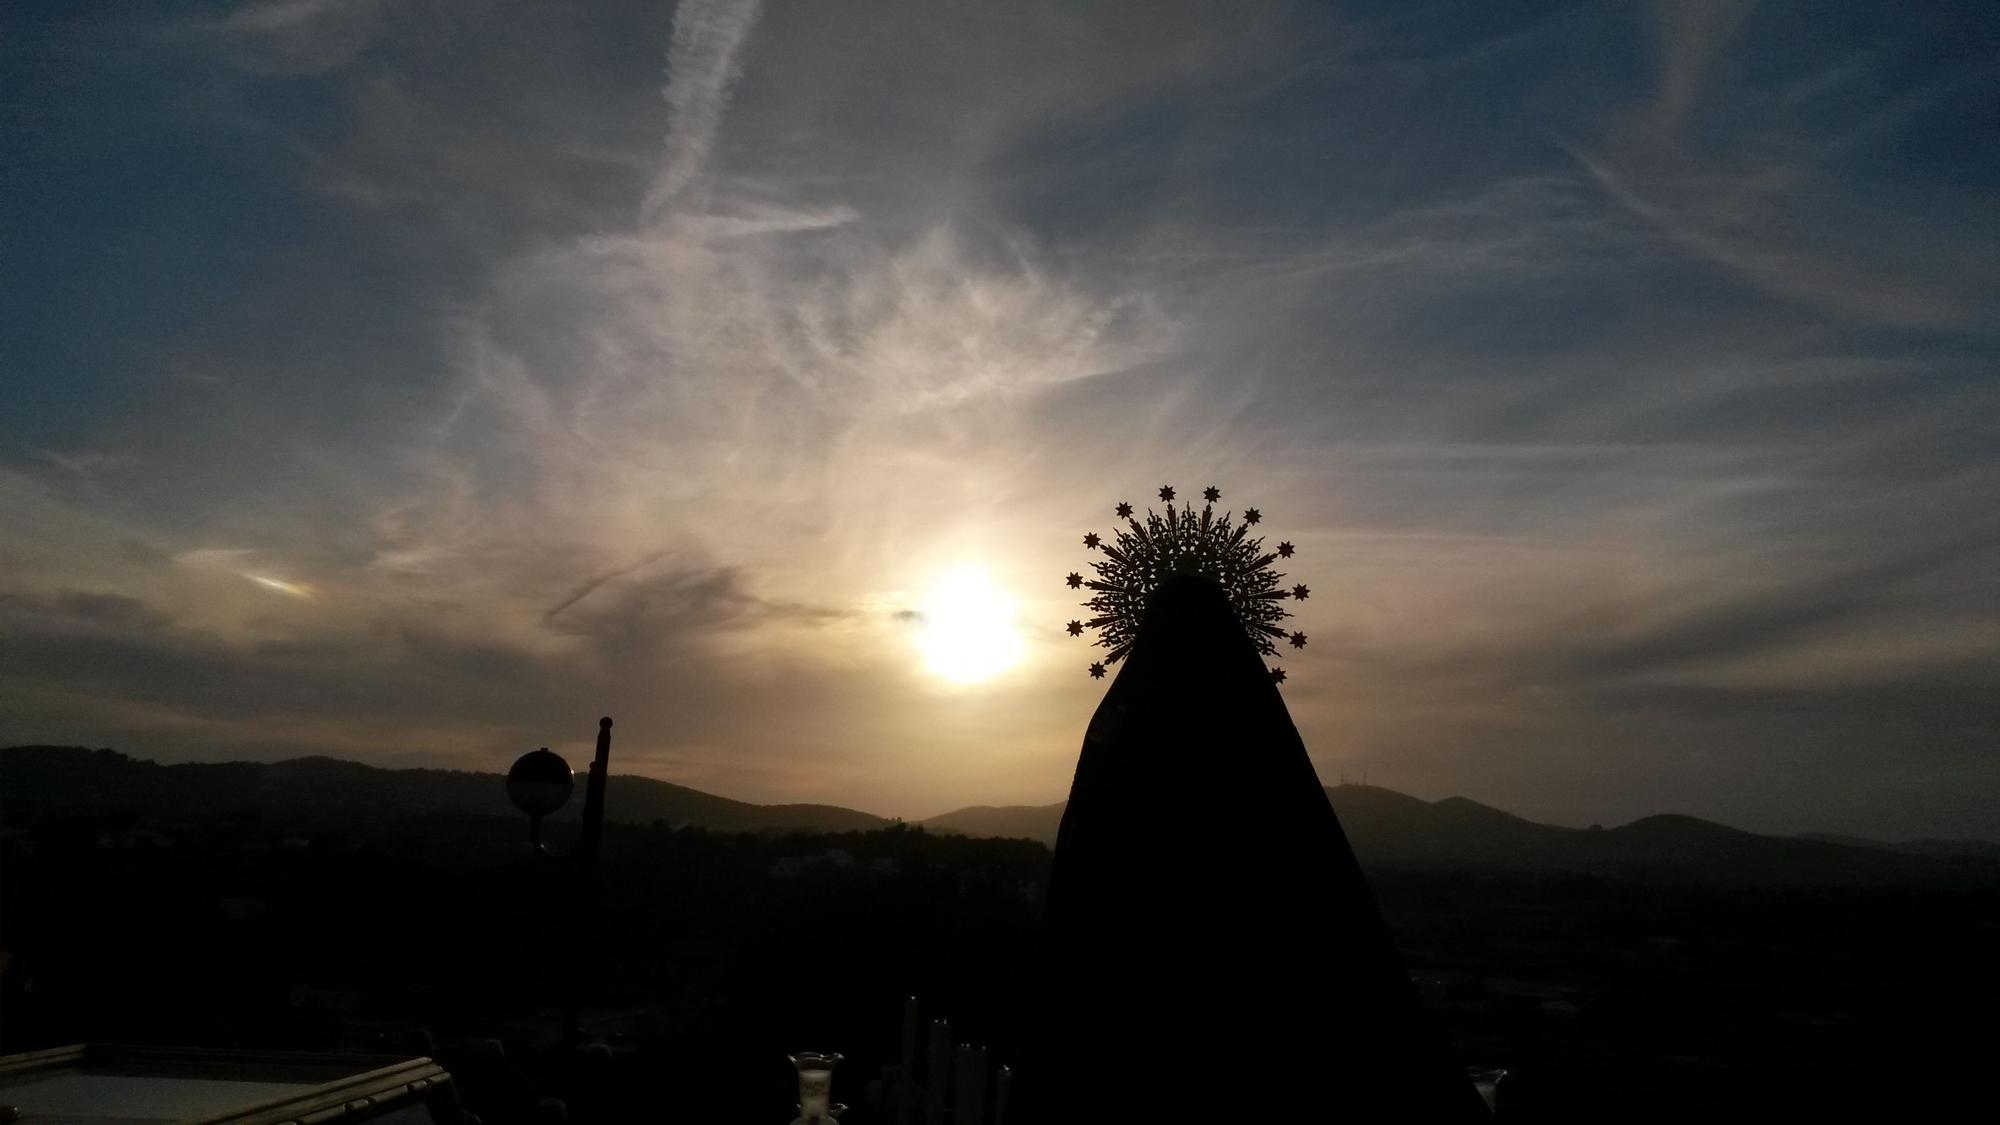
[539,783]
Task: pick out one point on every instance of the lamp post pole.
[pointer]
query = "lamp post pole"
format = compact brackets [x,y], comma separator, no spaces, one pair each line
[586,878]
[539,784]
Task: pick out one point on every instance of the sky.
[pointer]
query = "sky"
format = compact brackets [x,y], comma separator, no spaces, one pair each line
[415,382]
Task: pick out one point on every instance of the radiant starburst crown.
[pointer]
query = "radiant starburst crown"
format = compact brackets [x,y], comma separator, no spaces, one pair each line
[1182,541]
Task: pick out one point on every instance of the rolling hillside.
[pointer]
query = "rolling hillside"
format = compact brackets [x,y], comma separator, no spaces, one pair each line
[1390,829]
[42,785]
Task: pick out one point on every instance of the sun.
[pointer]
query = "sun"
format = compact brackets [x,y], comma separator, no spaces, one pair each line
[969,632]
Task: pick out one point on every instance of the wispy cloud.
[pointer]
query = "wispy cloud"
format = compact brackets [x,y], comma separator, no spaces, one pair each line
[291,37]
[1692,33]
[1755,185]
[701,66]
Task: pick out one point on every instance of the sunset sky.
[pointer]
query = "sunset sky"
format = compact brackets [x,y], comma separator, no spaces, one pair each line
[415,382]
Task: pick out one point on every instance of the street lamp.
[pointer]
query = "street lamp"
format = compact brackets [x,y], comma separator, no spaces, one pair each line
[539,784]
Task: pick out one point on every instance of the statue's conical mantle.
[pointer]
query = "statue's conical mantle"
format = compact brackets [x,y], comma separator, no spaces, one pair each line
[1211,951]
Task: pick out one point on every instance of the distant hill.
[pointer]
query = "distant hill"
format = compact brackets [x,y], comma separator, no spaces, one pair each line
[1983,849]
[1390,829]
[1018,822]
[41,784]
[50,784]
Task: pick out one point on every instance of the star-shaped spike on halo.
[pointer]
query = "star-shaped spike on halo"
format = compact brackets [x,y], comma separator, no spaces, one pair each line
[1252,515]
[1091,540]
[1075,580]
[1211,494]
[1298,639]
[1277,675]
[1076,628]
[1124,510]
[1167,493]
[1299,592]
[1285,549]
[1097,671]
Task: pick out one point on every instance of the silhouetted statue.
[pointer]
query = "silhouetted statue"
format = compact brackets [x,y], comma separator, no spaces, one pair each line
[1211,951]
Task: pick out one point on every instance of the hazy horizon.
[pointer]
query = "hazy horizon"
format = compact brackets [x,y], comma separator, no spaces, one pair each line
[579,760]
[414,383]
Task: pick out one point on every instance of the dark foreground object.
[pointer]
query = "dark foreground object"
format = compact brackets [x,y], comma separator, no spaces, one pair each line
[89,1082]
[1238,973]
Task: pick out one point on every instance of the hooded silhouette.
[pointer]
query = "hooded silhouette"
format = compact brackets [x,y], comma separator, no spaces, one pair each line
[1211,951]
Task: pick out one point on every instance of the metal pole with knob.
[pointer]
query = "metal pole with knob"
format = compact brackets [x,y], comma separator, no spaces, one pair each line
[539,784]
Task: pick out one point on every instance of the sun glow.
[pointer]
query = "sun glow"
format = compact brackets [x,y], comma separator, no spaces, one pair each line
[969,631]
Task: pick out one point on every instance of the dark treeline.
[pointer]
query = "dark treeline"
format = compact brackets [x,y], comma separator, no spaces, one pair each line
[717,953]
[714,955]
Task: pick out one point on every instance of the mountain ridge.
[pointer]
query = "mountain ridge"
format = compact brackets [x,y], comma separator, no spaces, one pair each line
[1387,829]
[319,792]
